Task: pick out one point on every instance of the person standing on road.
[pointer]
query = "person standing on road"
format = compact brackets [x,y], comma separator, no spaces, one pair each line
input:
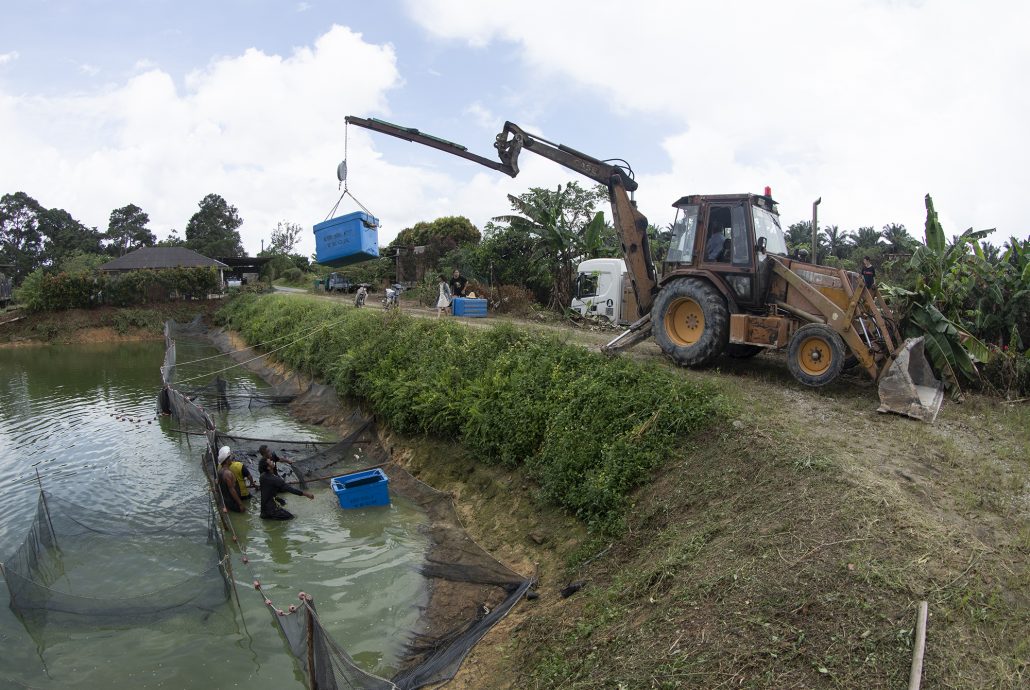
[444,300]
[458,283]
[360,295]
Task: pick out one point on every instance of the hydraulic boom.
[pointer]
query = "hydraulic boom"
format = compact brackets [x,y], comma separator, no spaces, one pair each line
[630,224]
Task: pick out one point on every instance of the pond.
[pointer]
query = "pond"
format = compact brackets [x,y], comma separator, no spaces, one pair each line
[84,416]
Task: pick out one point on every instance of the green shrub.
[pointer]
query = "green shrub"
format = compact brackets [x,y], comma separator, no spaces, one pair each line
[43,291]
[293,275]
[588,429]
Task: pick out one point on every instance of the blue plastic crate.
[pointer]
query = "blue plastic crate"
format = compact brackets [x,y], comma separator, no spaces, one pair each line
[362,489]
[347,240]
[470,308]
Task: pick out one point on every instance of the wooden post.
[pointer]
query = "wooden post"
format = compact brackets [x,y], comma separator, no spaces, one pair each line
[916,674]
[312,679]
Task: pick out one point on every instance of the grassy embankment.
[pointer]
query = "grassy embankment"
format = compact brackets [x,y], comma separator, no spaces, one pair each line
[580,425]
[99,324]
[783,538]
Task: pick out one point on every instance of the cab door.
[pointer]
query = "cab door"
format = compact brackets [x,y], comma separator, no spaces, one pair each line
[727,249]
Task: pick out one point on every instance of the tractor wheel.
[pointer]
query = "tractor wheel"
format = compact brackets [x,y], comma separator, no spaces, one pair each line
[738,351]
[690,322]
[815,355]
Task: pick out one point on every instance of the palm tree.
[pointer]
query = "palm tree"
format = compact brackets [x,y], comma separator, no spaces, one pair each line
[897,238]
[837,241]
[868,238]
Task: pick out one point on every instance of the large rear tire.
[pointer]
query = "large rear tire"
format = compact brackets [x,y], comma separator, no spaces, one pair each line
[815,355]
[690,322]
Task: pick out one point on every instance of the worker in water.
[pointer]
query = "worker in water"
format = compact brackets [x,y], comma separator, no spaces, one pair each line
[869,274]
[271,486]
[244,479]
[227,484]
[266,453]
[458,283]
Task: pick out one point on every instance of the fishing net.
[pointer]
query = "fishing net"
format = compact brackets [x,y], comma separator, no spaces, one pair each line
[469,591]
[72,565]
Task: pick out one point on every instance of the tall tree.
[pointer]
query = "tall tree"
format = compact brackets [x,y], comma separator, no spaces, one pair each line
[173,240]
[284,238]
[897,238]
[867,238]
[837,241]
[63,236]
[127,230]
[214,230]
[21,242]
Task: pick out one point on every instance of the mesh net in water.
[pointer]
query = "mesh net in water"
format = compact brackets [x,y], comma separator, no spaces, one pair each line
[469,590]
[73,566]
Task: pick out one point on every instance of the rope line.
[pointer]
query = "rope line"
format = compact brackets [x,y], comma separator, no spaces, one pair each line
[259,356]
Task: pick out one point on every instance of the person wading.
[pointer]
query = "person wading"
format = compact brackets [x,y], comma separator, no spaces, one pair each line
[227,482]
[271,486]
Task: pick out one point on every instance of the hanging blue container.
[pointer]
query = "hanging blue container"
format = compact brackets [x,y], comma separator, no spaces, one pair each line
[347,240]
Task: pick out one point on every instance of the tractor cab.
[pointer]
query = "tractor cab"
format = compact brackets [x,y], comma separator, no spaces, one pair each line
[727,237]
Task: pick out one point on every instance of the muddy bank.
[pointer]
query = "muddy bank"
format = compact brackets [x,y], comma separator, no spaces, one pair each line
[470,523]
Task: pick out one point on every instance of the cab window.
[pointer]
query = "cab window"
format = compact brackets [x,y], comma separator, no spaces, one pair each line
[726,237]
[681,244]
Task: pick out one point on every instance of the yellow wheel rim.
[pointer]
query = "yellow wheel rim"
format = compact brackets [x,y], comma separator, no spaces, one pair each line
[684,322]
[814,356]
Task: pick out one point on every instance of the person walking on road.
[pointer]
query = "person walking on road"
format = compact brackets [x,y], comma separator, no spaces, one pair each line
[444,300]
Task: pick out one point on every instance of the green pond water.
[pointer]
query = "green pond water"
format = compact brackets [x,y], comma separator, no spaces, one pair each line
[84,416]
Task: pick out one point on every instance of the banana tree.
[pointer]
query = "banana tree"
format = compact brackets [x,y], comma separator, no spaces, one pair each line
[931,310]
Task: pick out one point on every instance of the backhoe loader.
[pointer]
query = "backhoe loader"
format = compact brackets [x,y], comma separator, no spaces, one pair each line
[728,285]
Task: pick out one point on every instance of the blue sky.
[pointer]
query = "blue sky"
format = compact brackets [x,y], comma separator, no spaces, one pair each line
[869,104]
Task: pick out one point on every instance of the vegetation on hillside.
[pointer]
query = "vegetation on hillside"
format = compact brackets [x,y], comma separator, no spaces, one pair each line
[586,429]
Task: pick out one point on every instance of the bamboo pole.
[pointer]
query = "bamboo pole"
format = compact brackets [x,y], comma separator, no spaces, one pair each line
[312,678]
[916,674]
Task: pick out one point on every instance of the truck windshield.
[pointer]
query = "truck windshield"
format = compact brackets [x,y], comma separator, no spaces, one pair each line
[681,247]
[768,226]
[586,285]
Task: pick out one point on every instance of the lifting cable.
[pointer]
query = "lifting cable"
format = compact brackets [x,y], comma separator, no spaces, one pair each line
[341,175]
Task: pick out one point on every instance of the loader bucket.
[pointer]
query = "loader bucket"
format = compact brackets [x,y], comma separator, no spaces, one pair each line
[909,386]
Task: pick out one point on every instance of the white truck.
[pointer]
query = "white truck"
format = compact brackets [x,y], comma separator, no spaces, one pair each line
[603,290]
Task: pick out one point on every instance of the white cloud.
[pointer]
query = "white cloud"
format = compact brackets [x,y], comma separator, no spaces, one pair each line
[264,131]
[88,69]
[482,116]
[8,57]
[867,103]
[304,6]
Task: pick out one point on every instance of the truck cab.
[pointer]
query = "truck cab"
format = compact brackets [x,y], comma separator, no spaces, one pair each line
[603,290]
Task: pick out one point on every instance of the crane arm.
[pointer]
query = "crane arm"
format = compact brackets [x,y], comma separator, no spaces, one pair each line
[630,224]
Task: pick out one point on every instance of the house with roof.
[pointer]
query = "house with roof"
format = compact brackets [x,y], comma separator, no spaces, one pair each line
[155,258]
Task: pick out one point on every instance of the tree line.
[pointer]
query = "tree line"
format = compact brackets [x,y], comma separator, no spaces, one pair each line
[33,237]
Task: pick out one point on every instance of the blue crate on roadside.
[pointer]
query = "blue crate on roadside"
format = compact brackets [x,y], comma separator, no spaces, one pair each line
[347,239]
[362,489]
[470,308]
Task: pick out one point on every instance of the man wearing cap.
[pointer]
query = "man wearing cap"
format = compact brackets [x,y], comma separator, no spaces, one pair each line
[271,485]
[227,483]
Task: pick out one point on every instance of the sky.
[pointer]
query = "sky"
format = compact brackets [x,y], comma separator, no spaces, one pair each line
[866,104]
